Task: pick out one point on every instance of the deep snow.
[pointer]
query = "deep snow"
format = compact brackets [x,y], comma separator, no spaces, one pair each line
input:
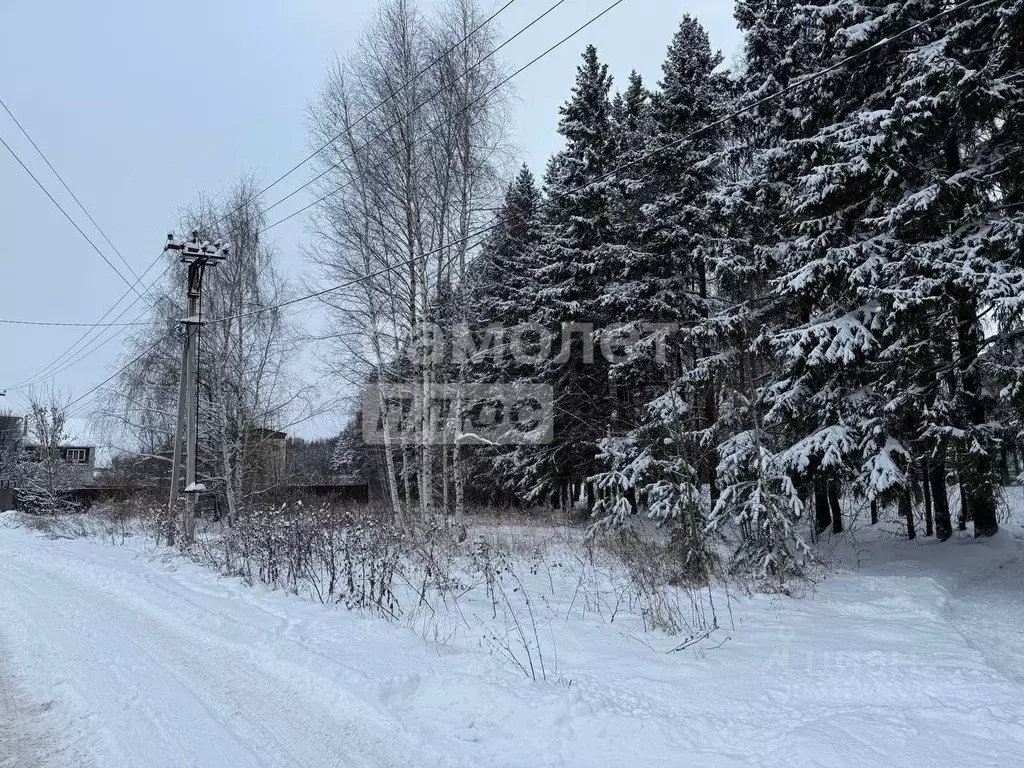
[910,654]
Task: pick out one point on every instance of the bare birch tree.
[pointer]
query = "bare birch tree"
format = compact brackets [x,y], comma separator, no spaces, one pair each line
[414,139]
[44,475]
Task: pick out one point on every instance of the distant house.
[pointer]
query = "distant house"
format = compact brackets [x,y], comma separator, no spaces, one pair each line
[151,470]
[79,454]
[311,471]
[81,461]
[276,464]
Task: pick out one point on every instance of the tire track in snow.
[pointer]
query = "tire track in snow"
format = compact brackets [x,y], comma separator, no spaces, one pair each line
[155,675]
[989,613]
[27,737]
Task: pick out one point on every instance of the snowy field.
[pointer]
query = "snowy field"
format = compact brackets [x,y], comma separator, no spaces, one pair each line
[120,655]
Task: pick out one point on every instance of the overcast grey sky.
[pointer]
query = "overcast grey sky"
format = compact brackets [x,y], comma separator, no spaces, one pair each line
[141,105]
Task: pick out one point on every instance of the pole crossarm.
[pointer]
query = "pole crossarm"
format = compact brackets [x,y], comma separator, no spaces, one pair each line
[194,250]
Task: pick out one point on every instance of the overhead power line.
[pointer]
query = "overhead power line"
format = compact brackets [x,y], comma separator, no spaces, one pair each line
[406,84]
[67,188]
[433,96]
[374,109]
[48,371]
[133,286]
[118,372]
[796,84]
[465,108]
[67,216]
[45,324]
[517,72]
[96,344]
[688,137]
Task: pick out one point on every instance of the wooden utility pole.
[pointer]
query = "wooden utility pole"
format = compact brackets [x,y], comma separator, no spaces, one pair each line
[197,256]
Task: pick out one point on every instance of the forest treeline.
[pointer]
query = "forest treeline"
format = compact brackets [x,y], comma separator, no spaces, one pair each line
[830,253]
[809,266]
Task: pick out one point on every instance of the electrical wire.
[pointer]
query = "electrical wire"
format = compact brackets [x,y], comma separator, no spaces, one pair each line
[119,371]
[287,173]
[378,106]
[434,95]
[796,84]
[743,110]
[532,23]
[97,345]
[68,217]
[519,71]
[49,372]
[66,187]
[40,323]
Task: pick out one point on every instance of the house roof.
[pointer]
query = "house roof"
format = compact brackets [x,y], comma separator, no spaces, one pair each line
[268,434]
[80,434]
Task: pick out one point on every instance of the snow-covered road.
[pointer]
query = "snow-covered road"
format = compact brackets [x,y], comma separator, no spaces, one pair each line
[110,656]
[161,673]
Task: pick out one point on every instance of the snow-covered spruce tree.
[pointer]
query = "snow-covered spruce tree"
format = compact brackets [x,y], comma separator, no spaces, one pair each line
[502,286]
[962,93]
[501,294]
[666,278]
[760,504]
[822,400]
[1005,151]
[576,231]
[633,129]
[889,254]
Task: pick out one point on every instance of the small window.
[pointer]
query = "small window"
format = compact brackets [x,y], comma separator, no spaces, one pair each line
[78,455]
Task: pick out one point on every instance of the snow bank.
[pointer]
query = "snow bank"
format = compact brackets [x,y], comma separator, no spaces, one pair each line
[158,662]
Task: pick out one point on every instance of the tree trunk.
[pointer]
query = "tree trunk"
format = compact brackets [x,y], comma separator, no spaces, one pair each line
[426,448]
[926,491]
[389,462]
[230,488]
[965,502]
[874,512]
[940,499]
[977,478]
[907,512]
[710,459]
[801,493]
[983,504]
[445,481]
[407,464]
[460,486]
[458,475]
[833,502]
[822,515]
